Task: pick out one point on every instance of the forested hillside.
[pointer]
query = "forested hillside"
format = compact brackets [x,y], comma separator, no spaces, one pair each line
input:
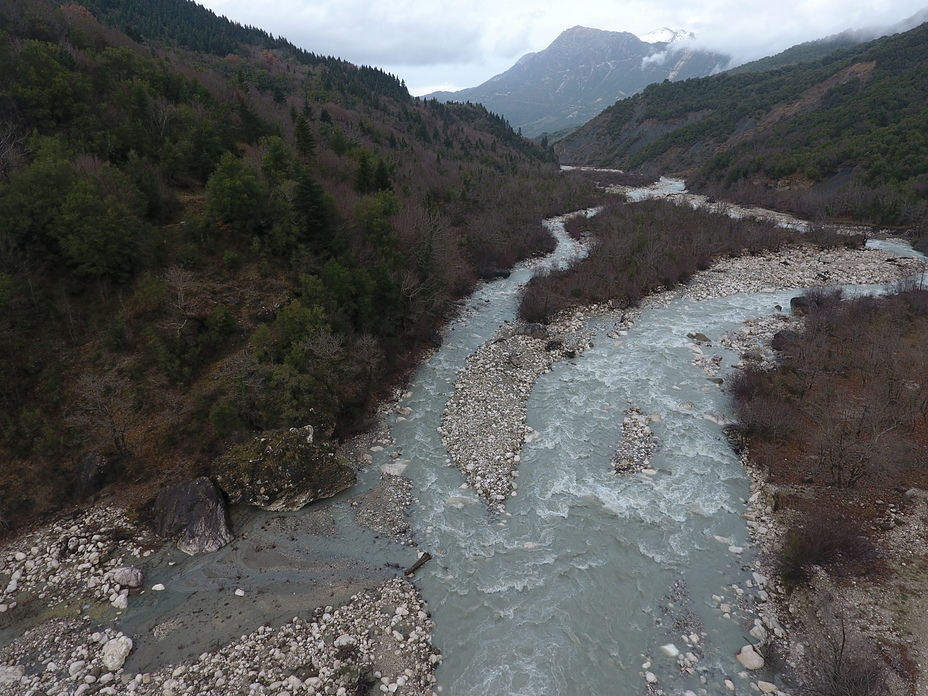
[836,136]
[196,245]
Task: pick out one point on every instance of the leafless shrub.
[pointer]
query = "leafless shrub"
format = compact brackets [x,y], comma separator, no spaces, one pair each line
[830,541]
[848,668]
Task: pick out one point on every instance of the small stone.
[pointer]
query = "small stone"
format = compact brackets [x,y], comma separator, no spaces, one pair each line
[157,587]
[766,687]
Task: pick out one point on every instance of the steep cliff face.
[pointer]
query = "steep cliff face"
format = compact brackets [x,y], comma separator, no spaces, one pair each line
[581,73]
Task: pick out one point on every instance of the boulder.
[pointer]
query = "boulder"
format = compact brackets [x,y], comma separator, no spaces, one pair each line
[194,513]
[783,338]
[115,652]
[11,674]
[750,658]
[492,273]
[801,305]
[94,471]
[539,331]
[127,576]
[699,337]
[282,470]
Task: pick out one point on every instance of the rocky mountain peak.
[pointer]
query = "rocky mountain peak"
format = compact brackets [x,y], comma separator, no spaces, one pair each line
[580,73]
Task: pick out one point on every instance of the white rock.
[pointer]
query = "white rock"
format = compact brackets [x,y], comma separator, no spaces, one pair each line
[670,650]
[748,657]
[128,577]
[115,652]
[158,587]
[650,677]
[76,667]
[766,687]
[10,674]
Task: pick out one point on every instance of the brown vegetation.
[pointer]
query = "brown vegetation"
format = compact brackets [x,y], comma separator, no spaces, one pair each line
[845,408]
[838,428]
[640,247]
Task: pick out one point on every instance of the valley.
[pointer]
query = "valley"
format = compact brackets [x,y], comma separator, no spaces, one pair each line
[315,387]
[563,476]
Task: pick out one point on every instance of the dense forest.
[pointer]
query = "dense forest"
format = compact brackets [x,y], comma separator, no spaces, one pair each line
[206,232]
[834,136]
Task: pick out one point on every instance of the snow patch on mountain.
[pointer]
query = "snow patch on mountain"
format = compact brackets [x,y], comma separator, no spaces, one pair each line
[665,35]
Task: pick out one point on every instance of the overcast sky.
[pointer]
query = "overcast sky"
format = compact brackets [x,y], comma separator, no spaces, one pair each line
[452,44]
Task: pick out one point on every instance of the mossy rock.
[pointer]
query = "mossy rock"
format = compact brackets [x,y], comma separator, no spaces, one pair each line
[282,470]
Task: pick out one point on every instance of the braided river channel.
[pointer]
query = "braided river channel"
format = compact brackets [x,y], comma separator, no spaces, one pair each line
[590,581]
[588,574]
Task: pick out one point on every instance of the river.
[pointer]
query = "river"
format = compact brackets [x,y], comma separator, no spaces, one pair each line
[589,573]
[588,583]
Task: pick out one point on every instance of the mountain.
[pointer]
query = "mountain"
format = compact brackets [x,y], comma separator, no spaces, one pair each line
[206,233]
[820,48]
[847,127]
[582,72]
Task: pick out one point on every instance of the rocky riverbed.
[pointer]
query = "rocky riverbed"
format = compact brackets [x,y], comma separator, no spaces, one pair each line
[483,426]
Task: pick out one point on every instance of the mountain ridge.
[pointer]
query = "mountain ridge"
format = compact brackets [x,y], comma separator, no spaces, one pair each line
[581,72]
[850,120]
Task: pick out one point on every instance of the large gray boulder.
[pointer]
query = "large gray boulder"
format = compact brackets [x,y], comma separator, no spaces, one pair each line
[783,339]
[801,305]
[194,513]
[282,470]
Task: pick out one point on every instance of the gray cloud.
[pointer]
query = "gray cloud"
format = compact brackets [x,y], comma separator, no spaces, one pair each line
[447,42]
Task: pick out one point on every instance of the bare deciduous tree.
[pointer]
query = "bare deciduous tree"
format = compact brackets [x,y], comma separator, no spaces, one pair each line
[12,148]
[181,281]
[104,404]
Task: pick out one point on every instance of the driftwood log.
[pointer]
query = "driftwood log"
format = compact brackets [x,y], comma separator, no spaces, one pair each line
[418,564]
